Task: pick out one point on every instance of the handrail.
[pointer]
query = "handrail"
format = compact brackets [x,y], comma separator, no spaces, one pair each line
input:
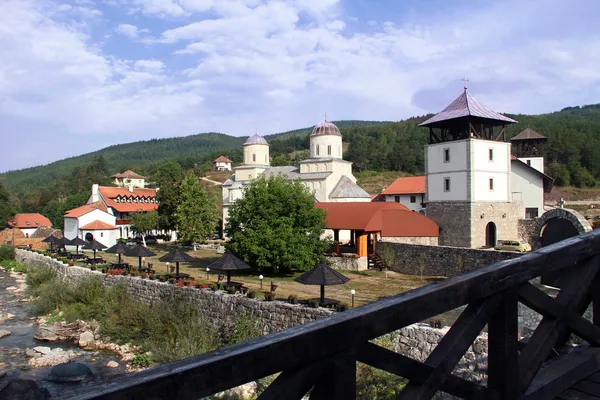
[491,293]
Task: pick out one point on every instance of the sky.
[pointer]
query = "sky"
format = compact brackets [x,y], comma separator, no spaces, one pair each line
[80,75]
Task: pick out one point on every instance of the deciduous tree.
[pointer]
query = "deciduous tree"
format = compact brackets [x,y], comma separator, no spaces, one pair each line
[197,213]
[143,222]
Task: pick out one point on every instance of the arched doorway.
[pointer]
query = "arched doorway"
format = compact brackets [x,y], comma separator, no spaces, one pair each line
[89,237]
[557,229]
[490,235]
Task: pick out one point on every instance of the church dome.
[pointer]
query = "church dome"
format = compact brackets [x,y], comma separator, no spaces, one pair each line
[325,128]
[256,139]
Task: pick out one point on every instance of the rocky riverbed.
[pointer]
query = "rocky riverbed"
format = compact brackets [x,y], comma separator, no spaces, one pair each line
[30,347]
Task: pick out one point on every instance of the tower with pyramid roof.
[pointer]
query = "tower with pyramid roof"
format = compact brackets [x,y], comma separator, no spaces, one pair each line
[468,175]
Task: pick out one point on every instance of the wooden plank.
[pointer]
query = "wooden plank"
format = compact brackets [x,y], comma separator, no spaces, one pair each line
[550,330]
[562,373]
[571,394]
[595,377]
[231,366]
[450,350]
[339,383]
[540,302]
[294,384]
[596,301]
[398,364]
[503,352]
[588,387]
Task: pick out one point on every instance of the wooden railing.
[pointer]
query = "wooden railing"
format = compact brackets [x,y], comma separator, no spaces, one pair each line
[321,356]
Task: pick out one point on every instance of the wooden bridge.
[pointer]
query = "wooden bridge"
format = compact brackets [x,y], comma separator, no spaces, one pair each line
[321,356]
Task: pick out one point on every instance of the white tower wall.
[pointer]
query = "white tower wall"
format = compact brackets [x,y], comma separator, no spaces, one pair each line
[326,146]
[256,154]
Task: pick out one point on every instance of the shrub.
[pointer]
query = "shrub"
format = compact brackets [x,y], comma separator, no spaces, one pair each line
[293,299]
[313,304]
[7,252]
[231,290]
[140,360]
[213,287]
[269,296]
[341,307]
[245,328]
[15,266]
[251,294]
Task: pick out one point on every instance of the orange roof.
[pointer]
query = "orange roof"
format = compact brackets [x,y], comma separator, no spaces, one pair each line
[25,221]
[97,226]
[128,174]
[406,185]
[223,159]
[84,209]
[391,219]
[109,193]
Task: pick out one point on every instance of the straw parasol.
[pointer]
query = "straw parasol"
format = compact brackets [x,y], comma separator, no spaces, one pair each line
[229,263]
[94,245]
[323,275]
[119,248]
[177,256]
[62,242]
[77,242]
[139,251]
[50,239]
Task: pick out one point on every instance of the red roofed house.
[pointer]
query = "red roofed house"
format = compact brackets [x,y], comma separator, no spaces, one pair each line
[222,164]
[92,221]
[408,191]
[128,179]
[28,223]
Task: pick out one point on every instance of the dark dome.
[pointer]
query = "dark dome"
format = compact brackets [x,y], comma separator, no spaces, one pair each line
[325,128]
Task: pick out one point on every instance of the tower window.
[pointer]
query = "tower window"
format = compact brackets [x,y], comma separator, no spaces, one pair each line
[446,155]
[491,154]
[491,183]
[446,184]
[413,199]
[329,150]
[529,162]
[317,149]
[253,157]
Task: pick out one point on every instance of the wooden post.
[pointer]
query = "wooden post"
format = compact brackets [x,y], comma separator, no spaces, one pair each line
[361,244]
[336,235]
[339,383]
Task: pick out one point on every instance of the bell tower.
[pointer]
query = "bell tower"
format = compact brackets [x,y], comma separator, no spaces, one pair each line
[467,171]
[527,147]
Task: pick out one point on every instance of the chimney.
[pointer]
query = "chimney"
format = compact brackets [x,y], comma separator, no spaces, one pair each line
[131,187]
[95,196]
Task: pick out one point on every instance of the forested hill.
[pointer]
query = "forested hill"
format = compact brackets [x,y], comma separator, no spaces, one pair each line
[144,156]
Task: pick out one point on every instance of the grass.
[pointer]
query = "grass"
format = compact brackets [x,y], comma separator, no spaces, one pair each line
[374,182]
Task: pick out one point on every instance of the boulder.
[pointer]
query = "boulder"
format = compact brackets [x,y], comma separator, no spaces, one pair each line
[112,364]
[4,333]
[30,352]
[11,288]
[86,339]
[70,372]
[19,389]
[43,349]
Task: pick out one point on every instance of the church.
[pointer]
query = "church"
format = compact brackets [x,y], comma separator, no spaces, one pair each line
[326,173]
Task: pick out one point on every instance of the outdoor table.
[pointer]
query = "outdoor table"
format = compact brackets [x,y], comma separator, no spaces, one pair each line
[326,302]
[121,265]
[177,276]
[76,256]
[92,260]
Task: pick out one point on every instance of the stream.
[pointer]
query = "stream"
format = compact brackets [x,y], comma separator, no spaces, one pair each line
[22,328]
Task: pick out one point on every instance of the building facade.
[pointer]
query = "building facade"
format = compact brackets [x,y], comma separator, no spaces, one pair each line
[408,191]
[28,222]
[91,221]
[129,179]
[222,163]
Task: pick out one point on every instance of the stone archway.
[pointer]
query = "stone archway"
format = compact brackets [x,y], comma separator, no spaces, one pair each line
[560,224]
[490,235]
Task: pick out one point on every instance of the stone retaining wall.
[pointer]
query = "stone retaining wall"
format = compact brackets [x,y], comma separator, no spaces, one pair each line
[349,263]
[528,230]
[414,259]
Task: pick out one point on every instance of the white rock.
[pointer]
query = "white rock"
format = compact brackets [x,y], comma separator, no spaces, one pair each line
[9,316]
[4,333]
[30,352]
[11,288]
[86,339]
[112,364]
[43,349]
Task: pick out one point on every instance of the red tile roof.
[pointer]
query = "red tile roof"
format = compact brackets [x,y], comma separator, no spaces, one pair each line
[223,159]
[97,226]
[25,221]
[128,174]
[109,193]
[406,185]
[391,219]
[84,209]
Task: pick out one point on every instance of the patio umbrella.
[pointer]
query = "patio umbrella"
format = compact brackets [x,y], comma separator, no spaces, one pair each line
[62,242]
[77,242]
[94,245]
[50,239]
[229,263]
[139,251]
[119,248]
[177,256]
[322,274]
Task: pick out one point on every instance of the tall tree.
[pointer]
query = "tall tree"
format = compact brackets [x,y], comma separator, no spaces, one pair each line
[6,209]
[168,177]
[197,213]
[143,222]
[276,226]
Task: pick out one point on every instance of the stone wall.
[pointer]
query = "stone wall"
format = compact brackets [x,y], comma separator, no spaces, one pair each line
[349,263]
[528,230]
[424,240]
[454,220]
[415,259]
[504,215]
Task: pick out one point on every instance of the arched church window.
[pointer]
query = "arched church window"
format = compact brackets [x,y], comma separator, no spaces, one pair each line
[328,149]
[254,157]
[339,151]
[317,149]
[265,158]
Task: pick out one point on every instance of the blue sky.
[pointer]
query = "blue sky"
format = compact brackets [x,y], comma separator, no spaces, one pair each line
[80,75]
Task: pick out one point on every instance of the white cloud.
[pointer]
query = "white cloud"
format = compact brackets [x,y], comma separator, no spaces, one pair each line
[153,66]
[130,31]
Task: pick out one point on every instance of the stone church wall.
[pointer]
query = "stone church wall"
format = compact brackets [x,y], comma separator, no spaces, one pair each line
[528,230]
[504,215]
[454,220]
[413,259]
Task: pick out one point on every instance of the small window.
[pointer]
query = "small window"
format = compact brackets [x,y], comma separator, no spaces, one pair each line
[491,183]
[531,213]
[413,199]
[397,199]
[101,234]
[491,154]
[328,150]
[529,162]
[446,155]
[317,149]
[446,184]
[253,157]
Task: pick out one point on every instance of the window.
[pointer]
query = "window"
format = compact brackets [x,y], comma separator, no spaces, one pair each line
[531,213]
[446,184]
[529,162]
[446,155]
[253,157]
[317,149]
[265,158]
[491,183]
[397,199]
[413,199]
[329,150]
[491,154]
[101,234]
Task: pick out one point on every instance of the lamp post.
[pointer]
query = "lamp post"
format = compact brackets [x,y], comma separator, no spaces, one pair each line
[207,269]
[353,292]
[168,268]
[143,261]
[261,279]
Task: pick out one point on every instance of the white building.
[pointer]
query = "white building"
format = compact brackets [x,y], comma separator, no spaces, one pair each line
[92,221]
[408,191]
[222,163]
[28,222]
[325,172]
[129,179]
